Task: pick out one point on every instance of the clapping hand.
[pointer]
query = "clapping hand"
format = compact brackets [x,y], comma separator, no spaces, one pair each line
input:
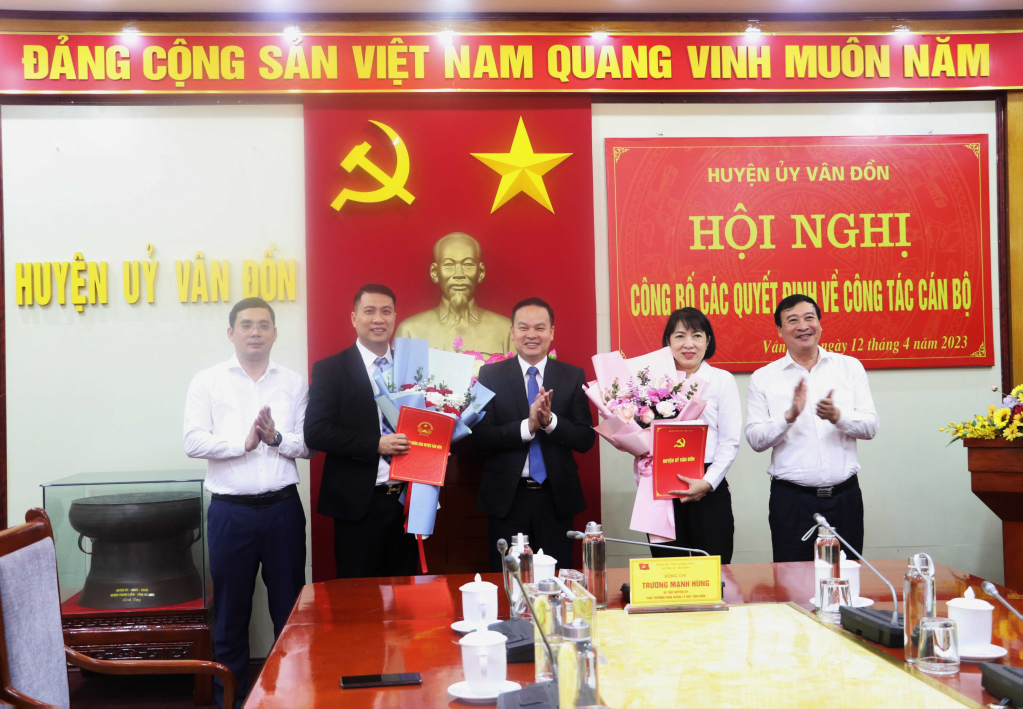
[265,426]
[798,402]
[827,410]
[540,410]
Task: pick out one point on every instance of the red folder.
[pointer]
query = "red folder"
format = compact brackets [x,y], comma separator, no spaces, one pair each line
[429,433]
[678,450]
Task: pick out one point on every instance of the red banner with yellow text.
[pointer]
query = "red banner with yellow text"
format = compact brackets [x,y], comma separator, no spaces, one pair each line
[890,235]
[288,62]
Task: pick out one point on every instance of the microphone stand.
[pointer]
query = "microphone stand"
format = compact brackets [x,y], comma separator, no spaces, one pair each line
[989,589]
[582,535]
[819,519]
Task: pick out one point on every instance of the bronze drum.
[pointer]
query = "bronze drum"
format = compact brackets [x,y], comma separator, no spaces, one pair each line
[141,548]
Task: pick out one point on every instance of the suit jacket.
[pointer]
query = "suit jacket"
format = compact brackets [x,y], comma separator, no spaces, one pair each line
[341,421]
[498,436]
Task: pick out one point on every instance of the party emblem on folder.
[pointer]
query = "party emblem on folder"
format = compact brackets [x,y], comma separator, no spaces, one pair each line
[678,450]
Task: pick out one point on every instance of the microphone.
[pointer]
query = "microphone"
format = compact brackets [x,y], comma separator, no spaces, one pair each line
[989,589]
[502,547]
[572,534]
[512,565]
[819,519]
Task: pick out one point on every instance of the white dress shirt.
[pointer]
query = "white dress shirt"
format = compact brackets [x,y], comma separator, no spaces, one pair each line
[369,359]
[222,404]
[811,451]
[524,429]
[723,417]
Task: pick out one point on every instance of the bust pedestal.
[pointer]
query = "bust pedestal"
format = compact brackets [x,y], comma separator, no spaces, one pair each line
[996,473]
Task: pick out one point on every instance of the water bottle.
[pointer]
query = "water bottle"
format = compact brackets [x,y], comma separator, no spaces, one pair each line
[577,668]
[550,616]
[919,598]
[828,550]
[520,550]
[595,563]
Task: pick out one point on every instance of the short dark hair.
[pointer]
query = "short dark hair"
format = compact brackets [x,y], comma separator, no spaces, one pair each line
[247,303]
[791,302]
[691,319]
[538,302]
[374,288]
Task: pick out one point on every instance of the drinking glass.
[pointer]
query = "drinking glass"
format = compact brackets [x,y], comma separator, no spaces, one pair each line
[832,594]
[567,575]
[939,647]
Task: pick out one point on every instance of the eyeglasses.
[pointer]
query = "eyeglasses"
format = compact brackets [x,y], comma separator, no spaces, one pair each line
[247,327]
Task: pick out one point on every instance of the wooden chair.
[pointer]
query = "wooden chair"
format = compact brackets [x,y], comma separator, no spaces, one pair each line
[33,657]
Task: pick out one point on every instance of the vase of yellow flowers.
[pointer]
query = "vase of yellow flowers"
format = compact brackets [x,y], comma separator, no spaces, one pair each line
[994,451]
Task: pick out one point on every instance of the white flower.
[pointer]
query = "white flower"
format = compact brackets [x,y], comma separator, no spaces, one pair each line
[435,398]
[626,410]
[456,400]
[647,417]
[666,408]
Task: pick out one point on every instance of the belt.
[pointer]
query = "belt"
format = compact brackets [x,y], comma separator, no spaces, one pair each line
[263,500]
[831,491]
[531,484]
[389,489]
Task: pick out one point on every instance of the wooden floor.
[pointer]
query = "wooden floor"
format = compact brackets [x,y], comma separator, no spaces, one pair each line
[141,692]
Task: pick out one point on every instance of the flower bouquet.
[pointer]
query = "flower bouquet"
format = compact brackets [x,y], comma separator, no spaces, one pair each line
[425,378]
[630,394]
[1003,421]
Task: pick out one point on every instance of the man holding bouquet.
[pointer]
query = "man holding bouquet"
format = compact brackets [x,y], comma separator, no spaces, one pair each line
[344,421]
[810,407]
[539,415]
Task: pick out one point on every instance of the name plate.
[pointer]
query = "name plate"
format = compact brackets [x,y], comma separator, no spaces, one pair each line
[680,581]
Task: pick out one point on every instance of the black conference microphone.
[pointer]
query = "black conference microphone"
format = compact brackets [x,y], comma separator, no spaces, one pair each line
[572,534]
[875,625]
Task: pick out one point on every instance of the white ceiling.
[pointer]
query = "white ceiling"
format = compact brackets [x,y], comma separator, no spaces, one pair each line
[743,7]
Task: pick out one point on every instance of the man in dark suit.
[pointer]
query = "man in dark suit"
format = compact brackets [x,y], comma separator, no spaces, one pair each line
[539,415]
[345,423]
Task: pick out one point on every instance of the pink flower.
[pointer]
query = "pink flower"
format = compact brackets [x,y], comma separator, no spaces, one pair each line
[553,354]
[626,411]
[496,358]
[646,415]
[458,345]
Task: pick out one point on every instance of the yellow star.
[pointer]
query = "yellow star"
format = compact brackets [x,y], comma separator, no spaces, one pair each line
[521,170]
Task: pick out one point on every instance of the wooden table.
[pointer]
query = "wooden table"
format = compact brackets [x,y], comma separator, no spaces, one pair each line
[373,626]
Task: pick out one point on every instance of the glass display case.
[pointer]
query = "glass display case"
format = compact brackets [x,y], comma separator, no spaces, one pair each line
[130,540]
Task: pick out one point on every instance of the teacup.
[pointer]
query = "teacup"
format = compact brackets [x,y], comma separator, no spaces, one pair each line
[479,602]
[543,566]
[974,618]
[484,661]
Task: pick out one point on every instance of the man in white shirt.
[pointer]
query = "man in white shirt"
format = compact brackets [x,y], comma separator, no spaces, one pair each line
[245,417]
[813,457]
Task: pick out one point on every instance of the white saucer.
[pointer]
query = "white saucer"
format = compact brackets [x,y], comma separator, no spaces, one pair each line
[460,690]
[860,602]
[981,653]
[464,626]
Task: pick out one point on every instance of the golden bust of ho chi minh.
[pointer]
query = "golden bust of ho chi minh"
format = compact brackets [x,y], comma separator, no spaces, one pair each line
[458,270]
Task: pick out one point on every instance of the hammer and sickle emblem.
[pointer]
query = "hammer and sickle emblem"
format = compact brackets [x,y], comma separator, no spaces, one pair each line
[425,428]
[390,185]
[680,443]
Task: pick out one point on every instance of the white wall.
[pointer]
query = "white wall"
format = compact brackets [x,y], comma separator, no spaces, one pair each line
[916,491]
[104,390]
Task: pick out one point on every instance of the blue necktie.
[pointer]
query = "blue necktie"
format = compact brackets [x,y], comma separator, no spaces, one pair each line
[385,428]
[537,470]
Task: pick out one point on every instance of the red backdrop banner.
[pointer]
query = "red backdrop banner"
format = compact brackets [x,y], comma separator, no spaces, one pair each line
[243,62]
[890,235]
[526,249]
